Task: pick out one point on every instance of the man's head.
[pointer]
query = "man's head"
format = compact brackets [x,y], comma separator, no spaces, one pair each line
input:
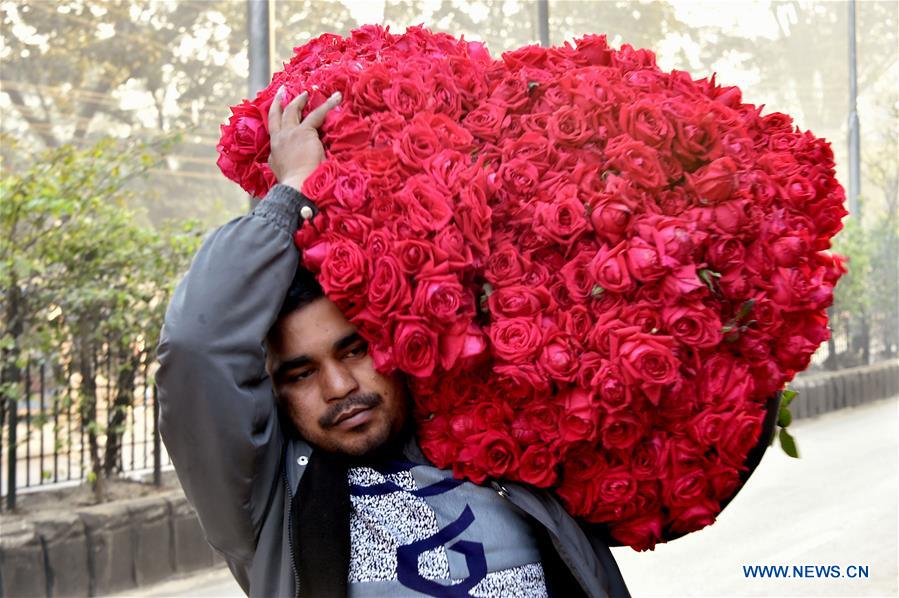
[325,379]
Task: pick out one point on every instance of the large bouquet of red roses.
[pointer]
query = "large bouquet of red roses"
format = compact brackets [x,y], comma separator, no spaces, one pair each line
[594,272]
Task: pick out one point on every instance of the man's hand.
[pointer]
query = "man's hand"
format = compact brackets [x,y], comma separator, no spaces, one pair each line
[296,150]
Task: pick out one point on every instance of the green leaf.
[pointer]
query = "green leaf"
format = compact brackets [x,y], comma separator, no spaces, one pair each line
[597,291]
[788,443]
[784,417]
[786,397]
[488,289]
[706,275]
[532,85]
[745,309]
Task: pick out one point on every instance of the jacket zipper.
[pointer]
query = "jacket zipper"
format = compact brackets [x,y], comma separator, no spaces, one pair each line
[563,553]
[293,556]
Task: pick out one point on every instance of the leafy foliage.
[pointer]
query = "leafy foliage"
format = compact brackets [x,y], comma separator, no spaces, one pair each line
[83,280]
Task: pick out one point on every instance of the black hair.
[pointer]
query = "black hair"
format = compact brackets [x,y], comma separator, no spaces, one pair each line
[304,289]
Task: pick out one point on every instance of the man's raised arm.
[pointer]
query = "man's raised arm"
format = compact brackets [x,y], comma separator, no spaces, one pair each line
[218,415]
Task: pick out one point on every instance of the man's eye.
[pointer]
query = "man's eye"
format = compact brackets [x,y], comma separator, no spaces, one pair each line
[359,350]
[299,376]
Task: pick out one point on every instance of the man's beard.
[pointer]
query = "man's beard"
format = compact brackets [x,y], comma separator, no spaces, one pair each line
[386,444]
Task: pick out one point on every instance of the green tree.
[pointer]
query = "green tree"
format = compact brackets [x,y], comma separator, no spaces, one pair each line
[84,283]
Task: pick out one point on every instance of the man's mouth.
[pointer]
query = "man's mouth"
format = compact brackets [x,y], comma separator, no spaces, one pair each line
[353,417]
[350,412]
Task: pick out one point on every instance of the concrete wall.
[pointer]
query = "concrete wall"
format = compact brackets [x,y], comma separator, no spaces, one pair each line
[102,549]
[829,391]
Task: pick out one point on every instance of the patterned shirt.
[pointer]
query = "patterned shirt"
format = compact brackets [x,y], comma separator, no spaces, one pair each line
[415,530]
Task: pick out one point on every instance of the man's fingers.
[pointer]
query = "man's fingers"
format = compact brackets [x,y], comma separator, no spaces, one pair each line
[274,113]
[294,109]
[315,118]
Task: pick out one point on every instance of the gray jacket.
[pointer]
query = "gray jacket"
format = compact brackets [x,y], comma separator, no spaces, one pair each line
[219,419]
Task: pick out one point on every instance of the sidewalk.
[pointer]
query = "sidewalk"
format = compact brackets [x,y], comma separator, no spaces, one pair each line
[836,505]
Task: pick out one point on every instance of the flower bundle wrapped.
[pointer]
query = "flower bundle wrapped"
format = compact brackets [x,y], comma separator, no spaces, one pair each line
[595,273]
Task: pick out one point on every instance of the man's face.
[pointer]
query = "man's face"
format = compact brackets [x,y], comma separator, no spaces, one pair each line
[327,383]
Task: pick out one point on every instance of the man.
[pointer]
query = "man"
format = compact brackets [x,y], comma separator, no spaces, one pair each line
[300,458]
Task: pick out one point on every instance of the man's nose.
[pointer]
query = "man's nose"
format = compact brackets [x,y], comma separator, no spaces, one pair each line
[337,380]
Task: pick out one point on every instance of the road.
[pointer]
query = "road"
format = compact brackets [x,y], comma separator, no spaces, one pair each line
[837,505]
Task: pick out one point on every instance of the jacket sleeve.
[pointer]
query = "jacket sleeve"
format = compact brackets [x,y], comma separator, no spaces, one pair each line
[218,416]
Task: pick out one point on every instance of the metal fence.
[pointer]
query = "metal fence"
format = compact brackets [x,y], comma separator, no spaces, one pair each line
[44,435]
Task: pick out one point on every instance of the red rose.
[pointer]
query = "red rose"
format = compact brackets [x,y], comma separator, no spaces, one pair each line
[472,214]
[644,261]
[319,186]
[344,270]
[415,346]
[716,182]
[405,97]
[416,144]
[724,381]
[512,92]
[694,516]
[244,147]
[505,266]
[708,428]
[579,498]
[498,453]
[643,120]
[350,226]
[449,169]
[463,346]
[599,338]
[647,361]
[614,392]
[516,340]
[579,417]
[693,324]
[518,179]
[685,488]
[609,269]
[518,300]
[543,416]
[415,256]
[569,127]
[388,290]
[724,480]
[445,98]
[743,433]
[650,458]
[441,300]
[435,441]
[577,281]
[621,430]
[564,219]
[385,128]
[640,533]
[485,121]
[350,188]
[636,160]
[345,131]
[452,243]
[616,486]
[425,209]
[538,466]
[726,253]
[559,359]
[611,219]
